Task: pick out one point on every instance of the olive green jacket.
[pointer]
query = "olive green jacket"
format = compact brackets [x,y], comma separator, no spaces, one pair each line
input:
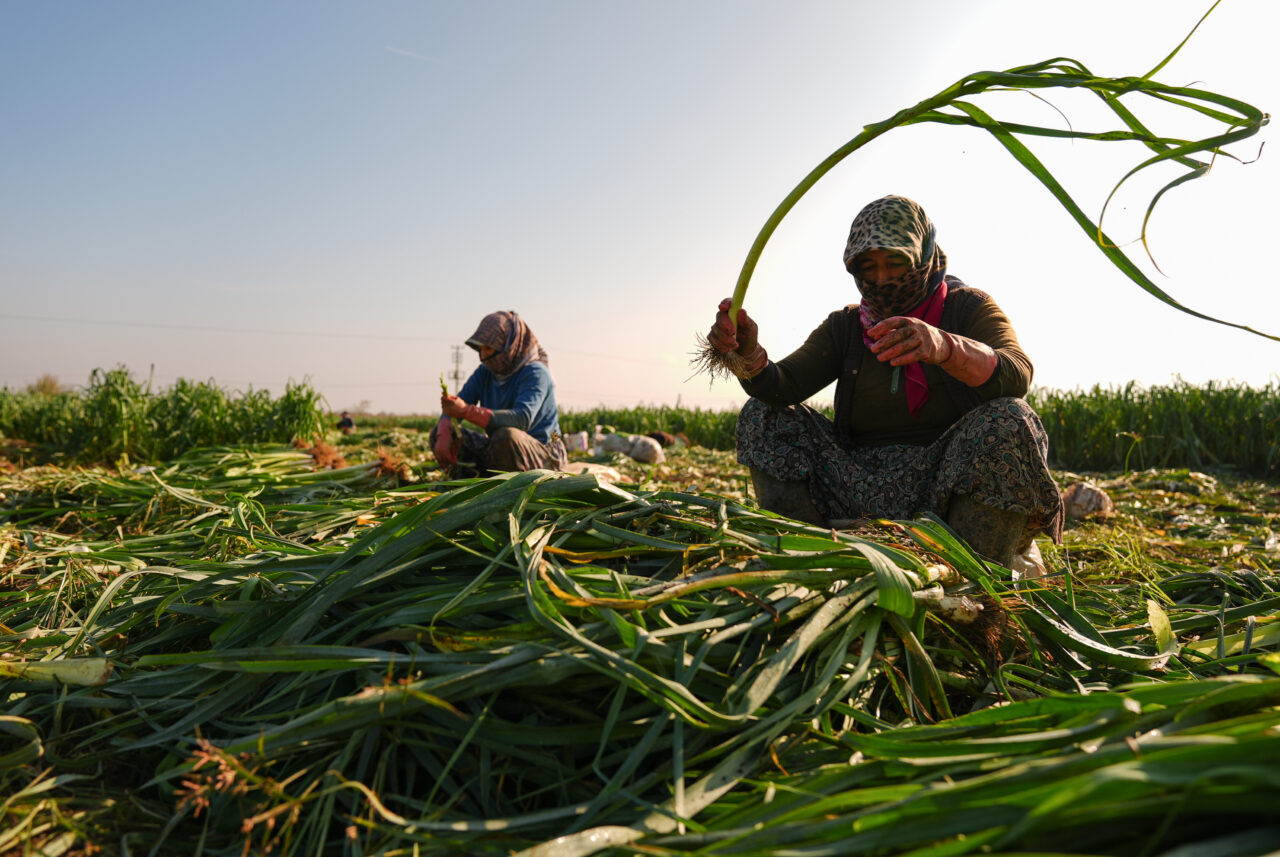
[867,413]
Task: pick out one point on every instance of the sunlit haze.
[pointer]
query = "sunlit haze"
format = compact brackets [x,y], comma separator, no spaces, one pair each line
[338,192]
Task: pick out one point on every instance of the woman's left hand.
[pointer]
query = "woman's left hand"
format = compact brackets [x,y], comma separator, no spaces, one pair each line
[454,407]
[446,446]
[901,341]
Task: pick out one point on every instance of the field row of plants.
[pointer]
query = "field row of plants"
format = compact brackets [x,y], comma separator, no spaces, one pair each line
[235,652]
[1132,427]
[1177,425]
[116,416]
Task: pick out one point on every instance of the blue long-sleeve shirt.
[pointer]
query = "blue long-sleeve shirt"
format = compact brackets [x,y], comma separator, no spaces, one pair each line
[526,400]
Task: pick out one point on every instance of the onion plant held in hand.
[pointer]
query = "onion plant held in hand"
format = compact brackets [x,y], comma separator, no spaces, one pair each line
[953,106]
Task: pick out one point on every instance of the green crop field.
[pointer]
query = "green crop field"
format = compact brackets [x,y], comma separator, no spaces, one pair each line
[227,629]
[212,644]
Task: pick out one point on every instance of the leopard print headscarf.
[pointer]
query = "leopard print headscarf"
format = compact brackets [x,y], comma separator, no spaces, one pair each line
[898,224]
[512,340]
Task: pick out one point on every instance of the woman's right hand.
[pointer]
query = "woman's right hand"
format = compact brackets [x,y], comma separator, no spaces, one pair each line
[723,337]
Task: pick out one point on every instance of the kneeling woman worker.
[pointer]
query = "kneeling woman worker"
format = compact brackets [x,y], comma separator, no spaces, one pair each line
[511,397]
[929,414]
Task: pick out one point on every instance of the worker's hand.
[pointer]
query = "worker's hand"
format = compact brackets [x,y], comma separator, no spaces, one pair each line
[445,449]
[901,341]
[452,406]
[723,338]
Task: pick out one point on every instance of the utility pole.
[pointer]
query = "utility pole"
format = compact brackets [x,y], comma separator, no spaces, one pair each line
[456,375]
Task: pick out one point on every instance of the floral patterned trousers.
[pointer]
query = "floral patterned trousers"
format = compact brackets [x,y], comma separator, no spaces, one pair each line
[506,449]
[995,453]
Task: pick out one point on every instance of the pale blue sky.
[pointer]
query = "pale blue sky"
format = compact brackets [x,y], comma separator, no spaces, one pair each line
[259,191]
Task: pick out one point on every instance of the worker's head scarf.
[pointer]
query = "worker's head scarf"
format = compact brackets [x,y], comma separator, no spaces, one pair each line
[512,341]
[899,225]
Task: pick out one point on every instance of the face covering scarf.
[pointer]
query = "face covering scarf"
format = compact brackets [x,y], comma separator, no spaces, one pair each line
[899,225]
[513,343]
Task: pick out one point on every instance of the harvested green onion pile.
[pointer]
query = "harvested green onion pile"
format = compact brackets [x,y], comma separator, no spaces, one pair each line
[540,662]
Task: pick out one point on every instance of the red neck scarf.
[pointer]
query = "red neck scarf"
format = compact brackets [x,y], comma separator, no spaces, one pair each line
[930,312]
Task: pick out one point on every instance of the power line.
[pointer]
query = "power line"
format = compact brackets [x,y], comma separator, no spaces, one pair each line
[153,325]
[211,329]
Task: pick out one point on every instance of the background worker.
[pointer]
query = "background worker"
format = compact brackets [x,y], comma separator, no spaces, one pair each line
[510,397]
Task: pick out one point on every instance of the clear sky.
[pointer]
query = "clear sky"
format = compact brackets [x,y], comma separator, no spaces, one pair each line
[261,191]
